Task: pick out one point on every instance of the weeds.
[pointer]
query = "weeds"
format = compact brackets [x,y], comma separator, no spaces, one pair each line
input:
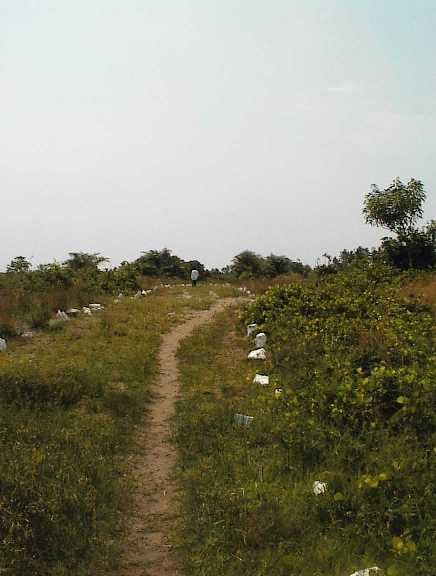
[69,403]
[355,360]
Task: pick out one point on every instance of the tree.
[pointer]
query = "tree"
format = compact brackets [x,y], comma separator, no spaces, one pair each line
[82,260]
[398,208]
[247,264]
[17,265]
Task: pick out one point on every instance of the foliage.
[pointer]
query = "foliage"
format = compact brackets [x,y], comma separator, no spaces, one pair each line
[398,208]
[248,265]
[354,356]
[19,264]
[69,404]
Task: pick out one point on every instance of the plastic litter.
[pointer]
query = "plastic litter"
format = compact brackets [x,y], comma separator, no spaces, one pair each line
[367,571]
[278,392]
[258,354]
[260,340]
[27,334]
[320,488]
[96,306]
[73,312]
[61,315]
[261,379]
[243,419]
[87,311]
[251,328]
[3,345]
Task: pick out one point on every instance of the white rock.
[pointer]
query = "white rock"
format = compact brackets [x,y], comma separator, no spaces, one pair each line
[319,487]
[3,345]
[258,354]
[251,328]
[96,306]
[87,311]
[366,571]
[261,379]
[243,419]
[260,340]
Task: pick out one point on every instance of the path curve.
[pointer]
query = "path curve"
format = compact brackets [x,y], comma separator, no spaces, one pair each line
[147,549]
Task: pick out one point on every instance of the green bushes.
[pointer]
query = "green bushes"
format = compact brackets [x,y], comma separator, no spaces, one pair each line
[355,359]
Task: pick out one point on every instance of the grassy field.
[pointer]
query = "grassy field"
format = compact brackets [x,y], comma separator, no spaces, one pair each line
[354,357]
[70,401]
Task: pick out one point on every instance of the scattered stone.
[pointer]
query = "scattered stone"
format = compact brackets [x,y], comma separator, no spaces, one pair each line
[251,328]
[260,340]
[258,354]
[261,379]
[3,345]
[320,488]
[243,419]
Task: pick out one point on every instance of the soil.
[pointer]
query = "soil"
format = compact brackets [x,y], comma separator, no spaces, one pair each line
[147,550]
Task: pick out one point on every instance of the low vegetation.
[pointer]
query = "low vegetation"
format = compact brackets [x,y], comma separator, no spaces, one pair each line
[69,403]
[353,357]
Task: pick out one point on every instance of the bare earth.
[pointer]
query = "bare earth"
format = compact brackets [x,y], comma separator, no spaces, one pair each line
[147,549]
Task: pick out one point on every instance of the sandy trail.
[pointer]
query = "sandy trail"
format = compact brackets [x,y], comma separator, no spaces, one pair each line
[147,550]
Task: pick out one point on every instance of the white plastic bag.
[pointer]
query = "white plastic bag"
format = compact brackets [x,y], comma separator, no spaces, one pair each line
[258,354]
[243,419]
[366,571]
[320,488]
[260,340]
[261,379]
[251,328]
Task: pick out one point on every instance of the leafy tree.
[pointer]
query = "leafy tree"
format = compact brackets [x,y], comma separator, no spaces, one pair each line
[248,264]
[398,208]
[82,260]
[18,265]
[161,263]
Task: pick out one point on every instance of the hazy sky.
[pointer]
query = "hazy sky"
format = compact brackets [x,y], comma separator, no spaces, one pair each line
[209,126]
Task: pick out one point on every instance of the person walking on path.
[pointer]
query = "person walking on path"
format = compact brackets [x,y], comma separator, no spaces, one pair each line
[194,277]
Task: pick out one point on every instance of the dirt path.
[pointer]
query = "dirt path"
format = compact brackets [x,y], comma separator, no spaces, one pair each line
[147,551]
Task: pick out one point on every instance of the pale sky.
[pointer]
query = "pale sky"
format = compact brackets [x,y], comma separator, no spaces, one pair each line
[209,126]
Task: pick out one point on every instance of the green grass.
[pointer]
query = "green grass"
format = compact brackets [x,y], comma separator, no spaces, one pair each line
[69,404]
[355,359]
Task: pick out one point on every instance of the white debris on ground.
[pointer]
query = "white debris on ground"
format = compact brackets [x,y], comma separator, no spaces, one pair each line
[243,419]
[251,328]
[260,340]
[87,311]
[61,315]
[258,354]
[27,334]
[367,571]
[278,392]
[95,307]
[3,345]
[319,487]
[261,379]
[73,312]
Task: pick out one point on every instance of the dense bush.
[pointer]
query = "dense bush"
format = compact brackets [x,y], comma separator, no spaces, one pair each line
[356,361]
[354,356]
